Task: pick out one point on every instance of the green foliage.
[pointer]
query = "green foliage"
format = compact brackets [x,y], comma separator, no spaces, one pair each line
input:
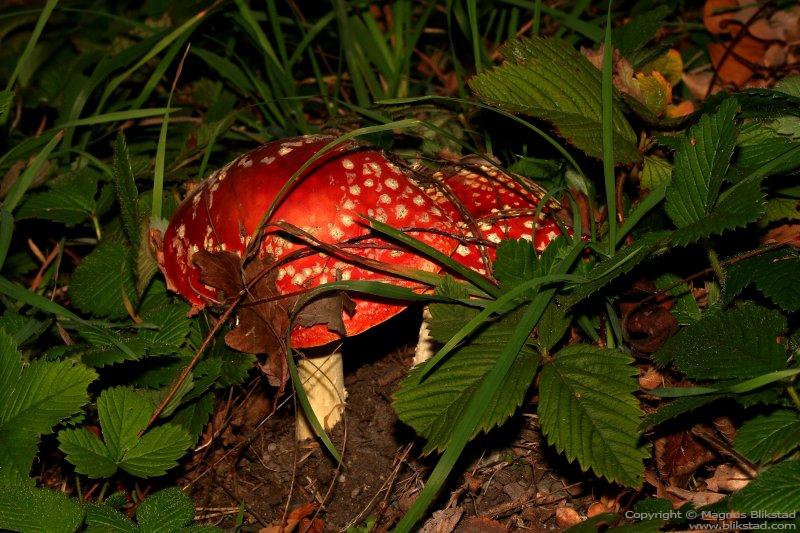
[656,171]
[102,280]
[86,76]
[639,30]
[773,273]
[432,405]
[550,80]
[737,343]
[123,413]
[34,397]
[168,510]
[701,162]
[587,410]
[70,200]
[127,193]
[775,490]
[765,438]
[33,510]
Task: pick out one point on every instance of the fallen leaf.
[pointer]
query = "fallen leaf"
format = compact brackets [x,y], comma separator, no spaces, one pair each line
[717,14]
[680,110]
[651,379]
[262,319]
[668,64]
[733,69]
[295,518]
[698,82]
[679,455]
[481,524]
[567,517]
[727,478]
[443,521]
[776,55]
[698,498]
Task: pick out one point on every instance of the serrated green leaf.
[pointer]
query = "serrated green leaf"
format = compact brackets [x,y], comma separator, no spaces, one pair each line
[758,143]
[677,408]
[789,85]
[767,437]
[106,354]
[775,490]
[33,399]
[685,310]
[100,280]
[447,319]
[70,200]
[87,452]
[639,30]
[736,343]
[550,80]
[173,327]
[104,519]
[123,413]
[553,325]
[37,510]
[741,205]
[623,261]
[156,451]
[701,162]
[656,171]
[516,262]
[780,209]
[774,273]
[166,510]
[432,406]
[588,411]
[194,416]
[127,193]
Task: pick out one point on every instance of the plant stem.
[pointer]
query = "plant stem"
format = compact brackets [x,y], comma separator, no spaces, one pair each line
[793,395]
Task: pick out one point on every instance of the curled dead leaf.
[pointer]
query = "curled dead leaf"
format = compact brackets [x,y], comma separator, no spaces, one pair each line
[567,517]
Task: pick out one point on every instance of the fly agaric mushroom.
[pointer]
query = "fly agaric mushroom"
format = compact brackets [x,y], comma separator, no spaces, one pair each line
[490,206]
[351,180]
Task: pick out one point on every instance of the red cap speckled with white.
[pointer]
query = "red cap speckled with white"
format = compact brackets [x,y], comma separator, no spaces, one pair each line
[501,207]
[351,180]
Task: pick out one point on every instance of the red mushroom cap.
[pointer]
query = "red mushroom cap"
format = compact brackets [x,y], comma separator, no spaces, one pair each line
[327,201]
[498,207]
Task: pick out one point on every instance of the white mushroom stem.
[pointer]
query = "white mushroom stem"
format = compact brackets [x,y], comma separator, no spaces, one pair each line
[425,343]
[323,381]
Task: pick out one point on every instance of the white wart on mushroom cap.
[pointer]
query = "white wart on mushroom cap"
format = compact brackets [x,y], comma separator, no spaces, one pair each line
[327,202]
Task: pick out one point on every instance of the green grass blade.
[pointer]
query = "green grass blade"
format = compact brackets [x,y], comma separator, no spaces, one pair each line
[31,44]
[6,231]
[608,137]
[645,206]
[472,14]
[162,45]
[497,306]
[161,149]
[440,258]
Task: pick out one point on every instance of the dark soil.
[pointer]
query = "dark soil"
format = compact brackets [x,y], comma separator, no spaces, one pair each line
[507,478]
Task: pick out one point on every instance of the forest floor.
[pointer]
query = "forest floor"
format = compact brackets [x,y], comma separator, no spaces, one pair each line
[511,479]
